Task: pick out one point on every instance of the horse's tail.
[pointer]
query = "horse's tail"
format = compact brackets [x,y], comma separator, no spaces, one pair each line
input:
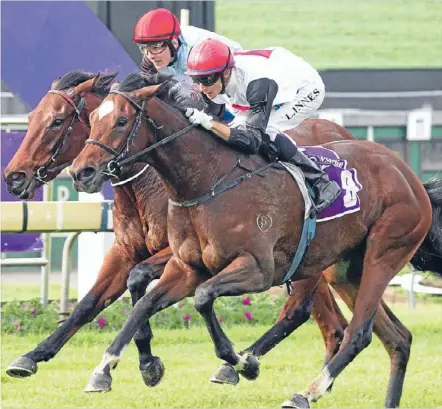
[428,257]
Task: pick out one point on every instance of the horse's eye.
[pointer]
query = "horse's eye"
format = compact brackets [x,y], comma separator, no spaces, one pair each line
[56,123]
[121,121]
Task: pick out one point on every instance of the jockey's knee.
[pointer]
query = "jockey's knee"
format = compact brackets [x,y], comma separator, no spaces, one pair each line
[286,146]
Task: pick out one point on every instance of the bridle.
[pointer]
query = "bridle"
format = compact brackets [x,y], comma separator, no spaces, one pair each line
[119,155]
[43,171]
[115,164]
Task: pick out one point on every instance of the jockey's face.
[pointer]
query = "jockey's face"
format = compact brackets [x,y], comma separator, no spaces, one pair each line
[211,91]
[160,54]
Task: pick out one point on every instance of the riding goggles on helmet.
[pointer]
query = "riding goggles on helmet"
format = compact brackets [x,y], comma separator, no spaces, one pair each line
[206,80]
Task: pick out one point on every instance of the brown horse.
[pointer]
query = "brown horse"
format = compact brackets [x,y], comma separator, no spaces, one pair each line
[58,129]
[229,258]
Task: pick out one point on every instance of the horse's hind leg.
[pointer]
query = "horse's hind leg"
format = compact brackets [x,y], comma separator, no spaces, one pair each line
[393,335]
[151,367]
[390,245]
[329,318]
[397,341]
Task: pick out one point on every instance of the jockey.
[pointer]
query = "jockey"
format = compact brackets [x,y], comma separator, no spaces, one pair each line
[165,45]
[266,99]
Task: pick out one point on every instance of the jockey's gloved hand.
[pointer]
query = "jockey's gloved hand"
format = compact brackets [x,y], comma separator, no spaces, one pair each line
[199,117]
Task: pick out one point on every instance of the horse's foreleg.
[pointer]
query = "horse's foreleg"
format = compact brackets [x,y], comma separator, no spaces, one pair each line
[241,276]
[177,282]
[110,284]
[295,312]
[151,367]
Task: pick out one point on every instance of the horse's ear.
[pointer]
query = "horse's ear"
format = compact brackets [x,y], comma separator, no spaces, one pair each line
[55,82]
[103,80]
[85,86]
[144,93]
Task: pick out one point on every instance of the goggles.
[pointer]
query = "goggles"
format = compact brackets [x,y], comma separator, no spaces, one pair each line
[153,48]
[206,80]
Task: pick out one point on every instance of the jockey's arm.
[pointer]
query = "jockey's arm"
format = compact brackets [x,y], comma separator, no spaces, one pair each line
[260,95]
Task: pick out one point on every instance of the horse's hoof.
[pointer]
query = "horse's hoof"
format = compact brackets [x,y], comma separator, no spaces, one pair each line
[251,369]
[22,368]
[153,372]
[100,382]
[296,401]
[226,373]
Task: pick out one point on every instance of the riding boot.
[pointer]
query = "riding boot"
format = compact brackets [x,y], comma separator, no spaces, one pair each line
[325,190]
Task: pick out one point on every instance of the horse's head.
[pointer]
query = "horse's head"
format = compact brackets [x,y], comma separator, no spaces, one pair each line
[124,124]
[58,128]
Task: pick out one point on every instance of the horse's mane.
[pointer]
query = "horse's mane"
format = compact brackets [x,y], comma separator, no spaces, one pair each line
[177,94]
[75,78]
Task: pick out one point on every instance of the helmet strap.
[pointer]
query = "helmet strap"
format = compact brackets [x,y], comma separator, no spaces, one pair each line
[223,82]
[173,51]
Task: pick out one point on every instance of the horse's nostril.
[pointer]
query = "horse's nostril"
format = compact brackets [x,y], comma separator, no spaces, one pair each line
[16,179]
[86,174]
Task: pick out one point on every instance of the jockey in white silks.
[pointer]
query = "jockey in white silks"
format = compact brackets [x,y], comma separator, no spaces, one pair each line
[270,91]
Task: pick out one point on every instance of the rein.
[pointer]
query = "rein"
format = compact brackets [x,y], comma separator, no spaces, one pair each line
[118,161]
[115,165]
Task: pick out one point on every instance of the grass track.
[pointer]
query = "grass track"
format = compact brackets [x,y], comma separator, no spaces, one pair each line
[190,361]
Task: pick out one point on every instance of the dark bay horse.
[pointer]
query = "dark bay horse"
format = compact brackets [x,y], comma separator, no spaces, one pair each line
[218,249]
[58,129]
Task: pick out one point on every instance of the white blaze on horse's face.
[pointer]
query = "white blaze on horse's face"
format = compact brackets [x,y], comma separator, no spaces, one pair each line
[105,108]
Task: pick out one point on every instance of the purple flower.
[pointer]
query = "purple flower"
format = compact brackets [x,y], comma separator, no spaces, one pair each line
[248,316]
[17,326]
[186,319]
[246,301]
[26,307]
[34,311]
[101,322]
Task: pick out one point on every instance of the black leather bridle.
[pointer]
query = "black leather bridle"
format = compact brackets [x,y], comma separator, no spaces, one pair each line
[120,159]
[43,171]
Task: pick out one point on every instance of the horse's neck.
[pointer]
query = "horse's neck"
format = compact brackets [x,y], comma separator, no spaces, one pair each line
[192,163]
[141,181]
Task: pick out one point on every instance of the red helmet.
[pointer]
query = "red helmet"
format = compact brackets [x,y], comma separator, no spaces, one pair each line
[156,25]
[208,57]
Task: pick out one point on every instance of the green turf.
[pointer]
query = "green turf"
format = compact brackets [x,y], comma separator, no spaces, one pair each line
[340,33]
[190,361]
[19,291]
